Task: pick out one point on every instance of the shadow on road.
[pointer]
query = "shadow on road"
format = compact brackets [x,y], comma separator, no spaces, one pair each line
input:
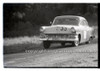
[56,46]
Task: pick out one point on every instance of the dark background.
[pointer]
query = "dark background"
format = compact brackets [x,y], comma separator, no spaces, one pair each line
[26,19]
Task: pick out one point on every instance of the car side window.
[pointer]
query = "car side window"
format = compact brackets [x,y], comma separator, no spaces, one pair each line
[84,23]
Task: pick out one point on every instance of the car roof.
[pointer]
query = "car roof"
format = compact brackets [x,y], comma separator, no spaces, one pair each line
[79,17]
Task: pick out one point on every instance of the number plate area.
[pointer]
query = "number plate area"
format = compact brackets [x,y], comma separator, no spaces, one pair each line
[60,36]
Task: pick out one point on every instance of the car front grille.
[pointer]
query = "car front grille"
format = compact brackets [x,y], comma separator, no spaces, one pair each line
[60,35]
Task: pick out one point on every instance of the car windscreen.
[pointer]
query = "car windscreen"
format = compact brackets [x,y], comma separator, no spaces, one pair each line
[65,21]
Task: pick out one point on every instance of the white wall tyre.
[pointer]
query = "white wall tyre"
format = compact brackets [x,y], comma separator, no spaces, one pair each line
[76,43]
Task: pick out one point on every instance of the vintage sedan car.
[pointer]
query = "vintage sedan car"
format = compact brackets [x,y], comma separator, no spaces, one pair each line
[67,29]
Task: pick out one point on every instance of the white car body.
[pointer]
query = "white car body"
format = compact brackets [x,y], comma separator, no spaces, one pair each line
[63,33]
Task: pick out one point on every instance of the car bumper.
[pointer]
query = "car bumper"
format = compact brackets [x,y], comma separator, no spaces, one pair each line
[59,39]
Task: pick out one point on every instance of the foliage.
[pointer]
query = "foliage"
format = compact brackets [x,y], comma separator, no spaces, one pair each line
[26,19]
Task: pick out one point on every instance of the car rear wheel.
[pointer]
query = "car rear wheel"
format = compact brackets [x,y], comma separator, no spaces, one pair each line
[46,44]
[89,41]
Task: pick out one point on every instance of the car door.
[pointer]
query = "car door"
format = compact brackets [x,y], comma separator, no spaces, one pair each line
[84,31]
[88,29]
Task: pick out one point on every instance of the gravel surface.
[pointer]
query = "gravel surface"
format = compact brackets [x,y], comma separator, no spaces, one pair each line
[85,55]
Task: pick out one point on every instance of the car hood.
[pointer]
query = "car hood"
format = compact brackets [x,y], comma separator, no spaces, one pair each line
[59,29]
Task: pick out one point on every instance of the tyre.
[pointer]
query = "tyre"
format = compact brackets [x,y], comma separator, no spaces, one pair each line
[76,43]
[63,44]
[46,44]
[89,41]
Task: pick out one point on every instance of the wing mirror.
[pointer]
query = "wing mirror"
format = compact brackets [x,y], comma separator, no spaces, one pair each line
[50,22]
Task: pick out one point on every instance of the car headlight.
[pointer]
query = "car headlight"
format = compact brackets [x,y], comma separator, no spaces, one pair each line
[73,30]
[42,35]
[42,29]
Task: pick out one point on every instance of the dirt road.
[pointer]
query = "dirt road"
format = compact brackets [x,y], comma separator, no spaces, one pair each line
[85,55]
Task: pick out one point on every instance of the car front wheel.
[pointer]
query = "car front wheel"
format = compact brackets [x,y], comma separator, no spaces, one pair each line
[46,44]
[76,43]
